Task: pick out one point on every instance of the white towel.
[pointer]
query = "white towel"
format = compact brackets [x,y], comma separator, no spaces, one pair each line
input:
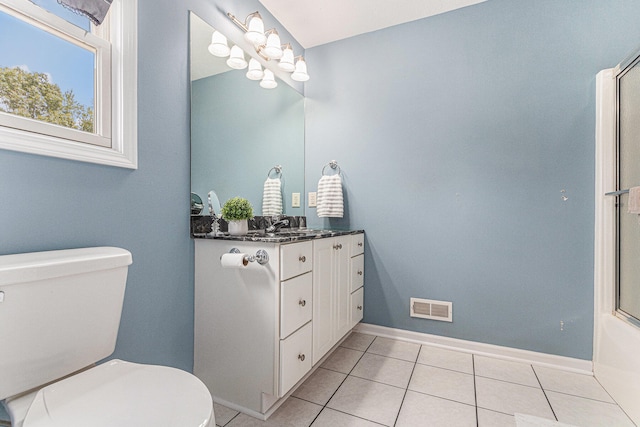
[272,197]
[330,202]
[634,200]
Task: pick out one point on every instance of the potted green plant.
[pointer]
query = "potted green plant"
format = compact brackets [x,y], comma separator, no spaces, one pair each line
[236,212]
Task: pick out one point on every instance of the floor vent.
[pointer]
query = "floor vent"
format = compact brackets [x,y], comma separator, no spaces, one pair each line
[431,309]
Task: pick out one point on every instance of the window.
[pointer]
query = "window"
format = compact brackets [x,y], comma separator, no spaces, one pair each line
[68,88]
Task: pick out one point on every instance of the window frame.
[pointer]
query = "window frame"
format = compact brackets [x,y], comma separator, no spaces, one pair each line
[114,144]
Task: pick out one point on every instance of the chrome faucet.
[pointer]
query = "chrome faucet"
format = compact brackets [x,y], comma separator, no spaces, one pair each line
[277,226]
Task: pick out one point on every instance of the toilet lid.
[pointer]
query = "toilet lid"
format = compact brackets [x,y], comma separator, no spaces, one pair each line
[123,394]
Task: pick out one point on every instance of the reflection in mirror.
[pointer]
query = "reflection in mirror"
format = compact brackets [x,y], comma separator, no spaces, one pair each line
[240,131]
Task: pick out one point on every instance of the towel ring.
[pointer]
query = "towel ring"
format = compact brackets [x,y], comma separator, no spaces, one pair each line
[277,168]
[334,165]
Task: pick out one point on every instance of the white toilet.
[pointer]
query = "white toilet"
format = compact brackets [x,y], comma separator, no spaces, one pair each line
[59,314]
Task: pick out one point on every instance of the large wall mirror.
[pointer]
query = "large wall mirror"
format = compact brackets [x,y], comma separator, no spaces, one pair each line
[240,131]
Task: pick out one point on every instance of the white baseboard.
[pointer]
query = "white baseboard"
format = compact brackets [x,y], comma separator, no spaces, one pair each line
[506,353]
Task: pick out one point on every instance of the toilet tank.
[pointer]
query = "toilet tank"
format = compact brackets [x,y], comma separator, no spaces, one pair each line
[59,312]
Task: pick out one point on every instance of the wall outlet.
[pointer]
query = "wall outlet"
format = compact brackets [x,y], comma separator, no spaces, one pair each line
[313,199]
[295,200]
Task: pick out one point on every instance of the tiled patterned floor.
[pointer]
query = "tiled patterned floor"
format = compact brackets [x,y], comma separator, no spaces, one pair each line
[372,381]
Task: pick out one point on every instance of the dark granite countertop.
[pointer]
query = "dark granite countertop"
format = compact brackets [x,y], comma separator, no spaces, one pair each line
[286,235]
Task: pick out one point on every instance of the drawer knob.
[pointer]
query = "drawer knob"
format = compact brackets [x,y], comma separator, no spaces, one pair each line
[360,244]
[302,258]
[301,357]
[302,303]
[338,246]
[359,273]
[359,307]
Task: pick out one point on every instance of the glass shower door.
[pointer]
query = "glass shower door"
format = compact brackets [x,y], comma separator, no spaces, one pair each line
[628,256]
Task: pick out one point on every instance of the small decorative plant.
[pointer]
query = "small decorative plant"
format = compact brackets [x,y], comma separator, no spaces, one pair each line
[237,209]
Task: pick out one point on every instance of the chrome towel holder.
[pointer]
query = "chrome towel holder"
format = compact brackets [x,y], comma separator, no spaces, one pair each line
[277,168]
[334,165]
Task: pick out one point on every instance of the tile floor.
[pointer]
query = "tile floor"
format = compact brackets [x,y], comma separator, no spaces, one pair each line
[371,381]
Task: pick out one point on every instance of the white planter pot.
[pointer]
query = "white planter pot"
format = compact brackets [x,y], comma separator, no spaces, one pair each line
[238,228]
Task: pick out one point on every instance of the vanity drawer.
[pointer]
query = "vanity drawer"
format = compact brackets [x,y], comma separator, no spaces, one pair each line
[357,272]
[295,358]
[357,244]
[295,303]
[295,259]
[357,306]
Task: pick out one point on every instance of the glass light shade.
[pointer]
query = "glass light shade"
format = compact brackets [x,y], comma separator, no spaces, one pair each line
[286,62]
[255,70]
[255,32]
[218,46]
[300,74]
[236,58]
[273,48]
[269,80]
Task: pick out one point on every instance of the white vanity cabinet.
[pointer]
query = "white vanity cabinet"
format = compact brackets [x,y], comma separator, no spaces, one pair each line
[331,293]
[357,279]
[259,329]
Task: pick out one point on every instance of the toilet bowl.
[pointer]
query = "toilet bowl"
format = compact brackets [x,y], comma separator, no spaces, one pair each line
[64,311]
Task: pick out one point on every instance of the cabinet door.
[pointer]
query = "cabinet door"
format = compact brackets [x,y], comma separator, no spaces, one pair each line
[295,303]
[342,283]
[357,244]
[295,259]
[295,360]
[323,252]
[357,272]
[357,305]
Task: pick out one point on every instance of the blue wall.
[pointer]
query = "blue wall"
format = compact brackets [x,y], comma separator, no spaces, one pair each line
[456,135]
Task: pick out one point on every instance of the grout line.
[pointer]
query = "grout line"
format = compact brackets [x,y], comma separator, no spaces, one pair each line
[475,390]
[407,388]
[545,393]
[345,378]
[355,416]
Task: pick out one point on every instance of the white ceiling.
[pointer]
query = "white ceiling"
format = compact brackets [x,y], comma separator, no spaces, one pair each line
[316,22]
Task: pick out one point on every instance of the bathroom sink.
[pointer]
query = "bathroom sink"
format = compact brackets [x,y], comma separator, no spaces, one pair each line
[287,233]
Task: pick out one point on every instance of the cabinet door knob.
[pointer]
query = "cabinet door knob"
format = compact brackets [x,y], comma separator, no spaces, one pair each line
[360,244]
[302,258]
[302,302]
[359,307]
[301,357]
[338,246]
[359,273]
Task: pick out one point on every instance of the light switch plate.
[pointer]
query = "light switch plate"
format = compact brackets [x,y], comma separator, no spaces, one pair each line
[313,199]
[295,200]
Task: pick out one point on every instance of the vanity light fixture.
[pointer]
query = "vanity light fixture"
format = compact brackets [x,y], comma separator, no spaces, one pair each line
[255,70]
[219,46]
[268,46]
[286,62]
[236,58]
[300,73]
[269,80]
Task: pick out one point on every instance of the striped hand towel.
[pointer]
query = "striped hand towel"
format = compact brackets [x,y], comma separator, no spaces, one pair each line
[272,197]
[330,203]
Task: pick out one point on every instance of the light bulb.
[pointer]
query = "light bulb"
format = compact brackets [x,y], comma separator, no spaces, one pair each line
[286,62]
[273,49]
[300,74]
[269,80]
[255,32]
[255,70]
[236,58]
[218,46]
